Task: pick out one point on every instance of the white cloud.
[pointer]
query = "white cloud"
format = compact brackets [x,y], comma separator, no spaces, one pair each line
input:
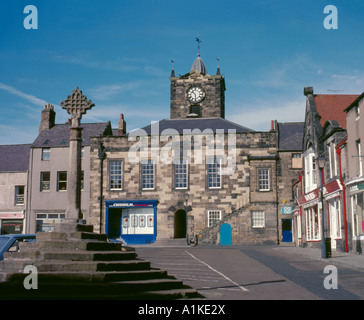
[259,118]
[32,99]
[106,91]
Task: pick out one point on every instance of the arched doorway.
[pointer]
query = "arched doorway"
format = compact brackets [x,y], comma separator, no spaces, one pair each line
[180,224]
[225,235]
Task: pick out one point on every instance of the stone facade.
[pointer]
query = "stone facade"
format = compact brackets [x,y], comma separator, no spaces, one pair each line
[237,189]
[241,192]
[213,104]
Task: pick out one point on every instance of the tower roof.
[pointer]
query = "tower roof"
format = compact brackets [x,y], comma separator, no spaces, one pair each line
[199,65]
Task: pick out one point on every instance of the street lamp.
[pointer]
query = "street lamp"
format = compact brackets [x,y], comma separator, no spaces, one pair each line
[320,160]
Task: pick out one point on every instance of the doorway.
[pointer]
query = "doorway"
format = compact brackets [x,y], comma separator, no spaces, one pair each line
[225,235]
[286,230]
[180,226]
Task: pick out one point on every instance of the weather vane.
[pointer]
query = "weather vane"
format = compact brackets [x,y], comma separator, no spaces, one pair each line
[198,43]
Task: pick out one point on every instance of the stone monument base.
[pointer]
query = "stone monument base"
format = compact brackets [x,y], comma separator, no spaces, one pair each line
[76,263]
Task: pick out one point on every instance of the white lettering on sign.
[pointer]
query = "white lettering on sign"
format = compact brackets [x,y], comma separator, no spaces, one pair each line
[310,196]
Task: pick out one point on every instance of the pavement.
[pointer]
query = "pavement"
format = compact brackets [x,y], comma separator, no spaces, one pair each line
[338,258]
[351,260]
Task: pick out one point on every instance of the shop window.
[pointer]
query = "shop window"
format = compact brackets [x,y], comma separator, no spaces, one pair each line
[45,181]
[214,173]
[357,205]
[214,216]
[45,222]
[258,219]
[19,195]
[313,223]
[116,174]
[147,168]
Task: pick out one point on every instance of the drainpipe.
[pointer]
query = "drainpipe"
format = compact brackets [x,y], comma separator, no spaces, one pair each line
[338,151]
[301,191]
[101,156]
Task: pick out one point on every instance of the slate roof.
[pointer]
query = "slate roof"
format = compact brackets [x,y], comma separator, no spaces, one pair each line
[332,106]
[198,123]
[14,158]
[290,135]
[59,135]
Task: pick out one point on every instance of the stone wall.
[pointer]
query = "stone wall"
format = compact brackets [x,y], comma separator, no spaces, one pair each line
[229,198]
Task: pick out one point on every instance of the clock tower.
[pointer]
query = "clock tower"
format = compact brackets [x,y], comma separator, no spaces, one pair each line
[197,94]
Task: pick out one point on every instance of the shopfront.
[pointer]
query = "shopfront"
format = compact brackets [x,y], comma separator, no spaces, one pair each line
[131,221]
[309,204]
[11,222]
[356,192]
[332,195]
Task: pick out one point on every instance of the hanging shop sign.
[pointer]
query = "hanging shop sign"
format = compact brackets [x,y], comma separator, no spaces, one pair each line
[309,197]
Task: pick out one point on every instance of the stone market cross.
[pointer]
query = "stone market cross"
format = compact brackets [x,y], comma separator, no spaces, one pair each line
[76,105]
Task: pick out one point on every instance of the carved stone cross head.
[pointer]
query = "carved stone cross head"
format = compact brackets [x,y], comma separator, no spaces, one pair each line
[76,105]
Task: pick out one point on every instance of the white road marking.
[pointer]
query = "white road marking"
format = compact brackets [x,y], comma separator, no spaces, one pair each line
[218,272]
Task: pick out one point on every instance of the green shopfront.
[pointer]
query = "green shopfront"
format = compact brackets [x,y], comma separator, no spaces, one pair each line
[131,221]
[356,192]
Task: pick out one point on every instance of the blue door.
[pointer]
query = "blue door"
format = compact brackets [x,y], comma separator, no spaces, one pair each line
[286,230]
[225,235]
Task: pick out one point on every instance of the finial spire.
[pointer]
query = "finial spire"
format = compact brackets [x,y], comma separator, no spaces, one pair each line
[172,73]
[218,66]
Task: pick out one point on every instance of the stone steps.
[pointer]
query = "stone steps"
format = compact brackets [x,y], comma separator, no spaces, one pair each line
[85,265]
[155,290]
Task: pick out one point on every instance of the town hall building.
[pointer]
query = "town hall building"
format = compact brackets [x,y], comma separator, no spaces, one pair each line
[193,176]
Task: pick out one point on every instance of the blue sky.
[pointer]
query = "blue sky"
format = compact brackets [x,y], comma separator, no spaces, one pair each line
[119,54]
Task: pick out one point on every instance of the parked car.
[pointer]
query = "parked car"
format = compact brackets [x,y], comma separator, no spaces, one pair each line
[9,242]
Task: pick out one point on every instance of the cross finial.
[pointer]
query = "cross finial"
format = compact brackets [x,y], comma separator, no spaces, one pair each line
[198,44]
[76,105]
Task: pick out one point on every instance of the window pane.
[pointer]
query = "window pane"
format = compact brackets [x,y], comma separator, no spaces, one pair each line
[214,173]
[180,175]
[213,217]
[45,178]
[19,195]
[263,179]
[46,154]
[148,174]
[62,181]
[258,219]
[116,174]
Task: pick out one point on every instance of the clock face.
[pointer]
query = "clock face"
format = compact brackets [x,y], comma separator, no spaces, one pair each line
[195,94]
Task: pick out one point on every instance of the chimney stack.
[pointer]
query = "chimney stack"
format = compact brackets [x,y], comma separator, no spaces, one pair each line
[122,125]
[48,118]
